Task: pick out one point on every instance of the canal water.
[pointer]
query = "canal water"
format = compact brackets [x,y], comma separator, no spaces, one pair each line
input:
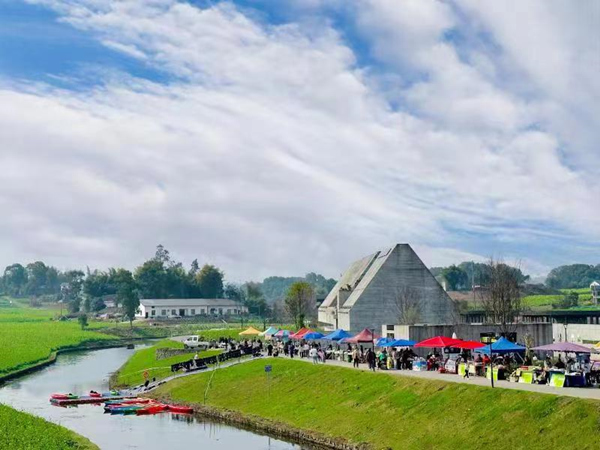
[79,372]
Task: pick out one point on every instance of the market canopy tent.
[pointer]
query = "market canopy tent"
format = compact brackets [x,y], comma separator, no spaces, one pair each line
[300,333]
[313,336]
[568,347]
[282,334]
[337,335]
[469,345]
[502,345]
[438,342]
[250,332]
[400,343]
[269,331]
[365,335]
[382,341]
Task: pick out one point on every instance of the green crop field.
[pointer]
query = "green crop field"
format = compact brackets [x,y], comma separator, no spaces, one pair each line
[132,372]
[395,412]
[23,431]
[25,343]
[547,301]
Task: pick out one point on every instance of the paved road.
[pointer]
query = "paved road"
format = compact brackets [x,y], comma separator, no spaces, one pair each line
[589,393]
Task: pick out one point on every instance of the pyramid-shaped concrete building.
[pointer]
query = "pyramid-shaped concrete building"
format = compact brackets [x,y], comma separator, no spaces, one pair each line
[380,288]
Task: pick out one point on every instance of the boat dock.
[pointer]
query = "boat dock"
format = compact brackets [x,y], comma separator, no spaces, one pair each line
[88,399]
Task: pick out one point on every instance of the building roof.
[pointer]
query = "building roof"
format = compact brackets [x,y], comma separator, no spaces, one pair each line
[188,302]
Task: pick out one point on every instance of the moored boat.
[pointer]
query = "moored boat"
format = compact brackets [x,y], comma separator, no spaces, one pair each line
[181,409]
[152,409]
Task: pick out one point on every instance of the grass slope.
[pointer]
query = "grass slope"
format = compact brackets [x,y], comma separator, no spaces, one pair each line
[396,412]
[23,431]
[132,372]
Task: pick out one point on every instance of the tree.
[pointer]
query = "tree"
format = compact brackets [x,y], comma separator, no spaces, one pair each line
[97,305]
[127,294]
[210,282]
[573,276]
[194,268]
[72,288]
[255,300]
[501,298]
[15,280]
[407,301]
[300,301]
[36,278]
[151,278]
[83,320]
[455,277]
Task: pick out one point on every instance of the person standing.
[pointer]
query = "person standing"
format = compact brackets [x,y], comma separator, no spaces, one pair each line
[355,357]
[313,354]
[371,359]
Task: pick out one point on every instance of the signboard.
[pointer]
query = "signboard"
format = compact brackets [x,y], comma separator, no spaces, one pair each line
[462,369]
[487,373]
[557,380]
[526,377]
[268,369]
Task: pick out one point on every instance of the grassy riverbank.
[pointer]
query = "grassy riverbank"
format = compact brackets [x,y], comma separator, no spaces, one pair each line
[131,373]
[392,411]
[23,431]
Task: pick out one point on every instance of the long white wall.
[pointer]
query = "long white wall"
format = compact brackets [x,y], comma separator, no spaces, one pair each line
[576,332]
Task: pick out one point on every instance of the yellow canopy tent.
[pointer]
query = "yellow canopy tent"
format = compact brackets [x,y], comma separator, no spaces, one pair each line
[250,332]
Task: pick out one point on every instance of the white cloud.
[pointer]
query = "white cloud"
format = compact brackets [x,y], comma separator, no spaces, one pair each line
[271,152]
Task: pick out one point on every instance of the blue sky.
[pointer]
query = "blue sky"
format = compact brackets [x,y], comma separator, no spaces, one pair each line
[281,137]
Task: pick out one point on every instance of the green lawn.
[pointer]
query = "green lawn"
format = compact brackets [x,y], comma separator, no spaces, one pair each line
[396,412]
[23,431]
[547,301]
[132,372]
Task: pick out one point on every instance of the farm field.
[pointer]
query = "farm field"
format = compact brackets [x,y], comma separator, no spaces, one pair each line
[547,301]
[131,373]
[23,431]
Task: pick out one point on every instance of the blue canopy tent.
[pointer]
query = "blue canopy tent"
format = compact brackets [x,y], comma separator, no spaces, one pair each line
[382,341]
[312,336]
[337,335]
[502,345]
[400,343]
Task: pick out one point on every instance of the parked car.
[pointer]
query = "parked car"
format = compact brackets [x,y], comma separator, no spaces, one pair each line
[195,342]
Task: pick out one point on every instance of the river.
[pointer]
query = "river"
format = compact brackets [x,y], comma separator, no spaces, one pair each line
[79,372]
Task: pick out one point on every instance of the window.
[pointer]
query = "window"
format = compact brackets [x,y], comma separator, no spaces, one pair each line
[390,327]
[221,311]
[173,312]
[228,311]
[192,312]
[202,311]
[153,312]
[163,312]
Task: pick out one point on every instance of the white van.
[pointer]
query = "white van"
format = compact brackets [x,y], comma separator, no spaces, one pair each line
[194,342]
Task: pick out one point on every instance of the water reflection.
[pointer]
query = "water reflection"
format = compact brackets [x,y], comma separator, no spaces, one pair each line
[80,372]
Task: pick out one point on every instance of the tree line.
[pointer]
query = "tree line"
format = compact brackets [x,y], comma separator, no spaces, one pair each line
[469,274]
[158,277]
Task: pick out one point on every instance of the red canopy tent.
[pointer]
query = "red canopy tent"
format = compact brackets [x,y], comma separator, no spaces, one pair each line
[300,333]
[468,345]
[438,342]
[365,335]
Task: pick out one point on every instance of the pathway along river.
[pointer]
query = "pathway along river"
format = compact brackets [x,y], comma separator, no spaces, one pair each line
[79,372]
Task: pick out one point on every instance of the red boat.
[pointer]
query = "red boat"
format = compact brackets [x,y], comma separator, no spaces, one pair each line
[63,396]
[95,394]
[152,409]
[181,409]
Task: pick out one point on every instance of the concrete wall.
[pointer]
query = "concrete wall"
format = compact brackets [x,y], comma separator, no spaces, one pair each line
[576,332]
[377,303]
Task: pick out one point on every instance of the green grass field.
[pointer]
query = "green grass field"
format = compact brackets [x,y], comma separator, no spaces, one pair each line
[547,301]
[23,431]
[132,372]
[395,412]
[25,343]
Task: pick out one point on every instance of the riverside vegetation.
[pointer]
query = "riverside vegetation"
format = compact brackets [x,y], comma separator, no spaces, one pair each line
[394,412]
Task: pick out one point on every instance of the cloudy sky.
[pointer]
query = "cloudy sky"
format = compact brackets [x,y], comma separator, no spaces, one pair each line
[287,136]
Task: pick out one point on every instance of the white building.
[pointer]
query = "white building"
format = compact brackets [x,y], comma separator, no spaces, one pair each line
[164,308]
[595,288]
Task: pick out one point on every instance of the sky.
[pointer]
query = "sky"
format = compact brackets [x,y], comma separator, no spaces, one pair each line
[280,137]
